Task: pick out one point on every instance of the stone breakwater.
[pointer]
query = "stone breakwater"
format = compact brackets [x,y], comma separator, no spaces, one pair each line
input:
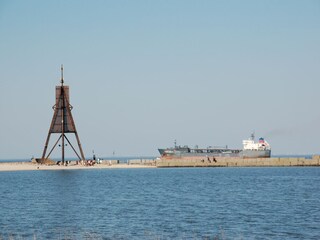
[237,162]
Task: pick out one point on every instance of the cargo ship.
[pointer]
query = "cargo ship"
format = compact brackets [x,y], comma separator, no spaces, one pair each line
[251,149]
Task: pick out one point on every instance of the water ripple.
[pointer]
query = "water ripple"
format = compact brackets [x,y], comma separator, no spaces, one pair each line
[185,203]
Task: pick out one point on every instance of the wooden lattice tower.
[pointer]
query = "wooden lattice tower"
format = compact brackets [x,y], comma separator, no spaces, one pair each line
[62,122]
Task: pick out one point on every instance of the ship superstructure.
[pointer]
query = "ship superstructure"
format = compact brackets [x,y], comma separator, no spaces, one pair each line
[252,149]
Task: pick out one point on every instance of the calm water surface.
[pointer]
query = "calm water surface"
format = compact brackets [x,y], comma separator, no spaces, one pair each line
[176,203]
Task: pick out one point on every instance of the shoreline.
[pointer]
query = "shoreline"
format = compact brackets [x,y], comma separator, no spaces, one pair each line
[29,166]
[166,163]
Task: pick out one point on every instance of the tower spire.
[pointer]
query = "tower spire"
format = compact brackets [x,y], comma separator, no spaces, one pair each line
[61,75]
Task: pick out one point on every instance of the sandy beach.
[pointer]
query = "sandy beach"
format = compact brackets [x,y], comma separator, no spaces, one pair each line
[28,166]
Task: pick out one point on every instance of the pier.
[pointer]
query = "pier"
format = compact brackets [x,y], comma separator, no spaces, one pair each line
[238,162]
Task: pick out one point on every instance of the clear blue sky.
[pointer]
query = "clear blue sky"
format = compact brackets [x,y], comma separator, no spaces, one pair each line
[143,73]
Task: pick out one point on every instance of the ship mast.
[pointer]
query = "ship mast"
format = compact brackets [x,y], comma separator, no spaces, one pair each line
[252,136]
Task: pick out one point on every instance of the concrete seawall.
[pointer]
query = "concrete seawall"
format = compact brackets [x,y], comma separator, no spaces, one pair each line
[147,162]
[237,162]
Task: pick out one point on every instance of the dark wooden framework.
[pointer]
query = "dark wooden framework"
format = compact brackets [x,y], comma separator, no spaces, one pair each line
[62,123]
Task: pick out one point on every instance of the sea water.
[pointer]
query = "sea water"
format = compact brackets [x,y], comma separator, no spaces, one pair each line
[168,203]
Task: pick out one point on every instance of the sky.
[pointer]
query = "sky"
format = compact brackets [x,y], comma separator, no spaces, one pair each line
[145,73]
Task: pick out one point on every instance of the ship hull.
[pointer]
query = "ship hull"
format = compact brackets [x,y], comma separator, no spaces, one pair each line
[256,153]
[231,154]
